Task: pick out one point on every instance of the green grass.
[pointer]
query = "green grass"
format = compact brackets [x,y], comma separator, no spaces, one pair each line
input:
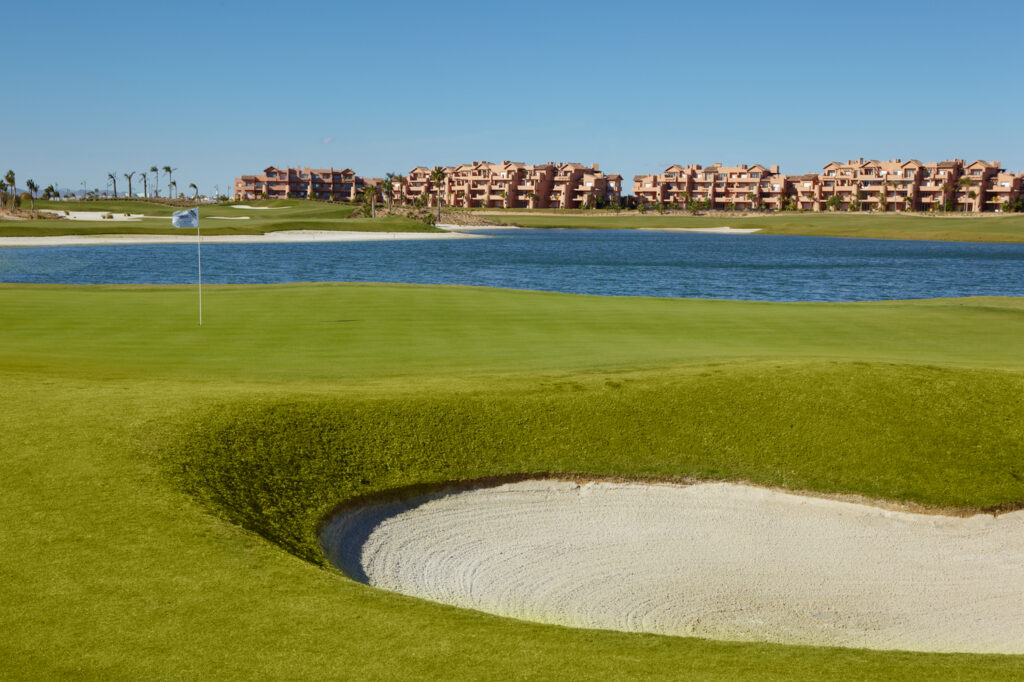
[161,482]
[991,228]
[286,214]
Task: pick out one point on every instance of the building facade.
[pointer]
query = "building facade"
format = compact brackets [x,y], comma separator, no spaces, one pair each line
[317,183]
[509,184]
[857,185]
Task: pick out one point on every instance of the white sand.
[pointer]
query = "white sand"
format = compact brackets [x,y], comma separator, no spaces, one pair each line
[711,560]
[725,229]
[244,207]
[98,216]
[226,217]
[188,236]
[479,228]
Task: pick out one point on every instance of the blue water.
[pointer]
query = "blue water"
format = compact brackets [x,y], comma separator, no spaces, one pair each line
[607,262]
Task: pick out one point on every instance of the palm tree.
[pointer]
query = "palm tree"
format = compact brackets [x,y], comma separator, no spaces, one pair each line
[195,190]
[387,185]
[172,189]
[170,179]
[370,191]
[965,183]
[32,189]
[145,184]
[437,177]
[156,180]
[401,180]
[9,177]
[50,192]
[3,193]
[128,177]
[113,177]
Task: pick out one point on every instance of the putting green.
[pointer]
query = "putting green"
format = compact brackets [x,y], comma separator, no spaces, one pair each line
[163,483]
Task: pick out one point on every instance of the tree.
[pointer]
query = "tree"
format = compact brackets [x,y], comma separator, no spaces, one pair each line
[113,178]
[9,178]
[172,189]
[370,198]
[855,199]
[437,177]
[883,198]
[170,180]
[50,192]
[128,177]
[834,202]
[972,195]
[3,193]
[156,180]
[945,194]
[965,183]
[401,180]
[387,185]
[32,189]
[195,190]
[752,198]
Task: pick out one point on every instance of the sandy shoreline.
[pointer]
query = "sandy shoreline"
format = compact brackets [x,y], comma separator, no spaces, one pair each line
[187,237]
[713,560]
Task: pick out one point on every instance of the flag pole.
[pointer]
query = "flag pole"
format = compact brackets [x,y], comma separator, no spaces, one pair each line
[199,260]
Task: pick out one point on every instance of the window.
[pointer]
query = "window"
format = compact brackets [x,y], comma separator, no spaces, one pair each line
[755,175]
[807,184]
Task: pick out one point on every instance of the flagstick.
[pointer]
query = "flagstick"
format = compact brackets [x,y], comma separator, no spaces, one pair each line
[199,258]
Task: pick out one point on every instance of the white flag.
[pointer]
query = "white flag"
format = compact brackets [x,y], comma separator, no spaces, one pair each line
[189,218]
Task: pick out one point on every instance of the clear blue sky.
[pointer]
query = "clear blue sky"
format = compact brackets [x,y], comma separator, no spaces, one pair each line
[217,89]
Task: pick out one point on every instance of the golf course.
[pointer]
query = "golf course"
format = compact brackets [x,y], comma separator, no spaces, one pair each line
[165,484]
[932,226]
[234,218]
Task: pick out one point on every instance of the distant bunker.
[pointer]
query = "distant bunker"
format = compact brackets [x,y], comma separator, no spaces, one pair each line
[712,560]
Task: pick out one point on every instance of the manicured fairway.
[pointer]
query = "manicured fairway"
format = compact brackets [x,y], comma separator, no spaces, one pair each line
[161,482]
[280,214]
[989,228]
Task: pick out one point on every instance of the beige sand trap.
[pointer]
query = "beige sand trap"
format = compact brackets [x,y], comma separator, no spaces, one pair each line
[245,207]
[226,217]
[709,230]
[98,216]
[711,560]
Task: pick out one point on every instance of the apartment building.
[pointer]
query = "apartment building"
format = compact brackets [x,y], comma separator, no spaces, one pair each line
[743,187]
[509,184]
[856,185]
[319,183]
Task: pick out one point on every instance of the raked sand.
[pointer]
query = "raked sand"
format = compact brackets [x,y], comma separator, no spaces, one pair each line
[712,560]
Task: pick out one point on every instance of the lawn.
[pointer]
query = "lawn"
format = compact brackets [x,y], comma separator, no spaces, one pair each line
[989,228]
[282,214]
[162,481]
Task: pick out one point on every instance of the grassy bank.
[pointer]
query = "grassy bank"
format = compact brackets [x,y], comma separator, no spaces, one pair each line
[992,228]
[216,219]
[126,425]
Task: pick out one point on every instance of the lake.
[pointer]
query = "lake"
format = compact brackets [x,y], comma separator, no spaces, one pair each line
[605,262]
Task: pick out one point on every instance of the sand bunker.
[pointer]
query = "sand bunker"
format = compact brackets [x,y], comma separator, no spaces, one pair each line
[708,230]
[711,560]
[97,216]
[259,208]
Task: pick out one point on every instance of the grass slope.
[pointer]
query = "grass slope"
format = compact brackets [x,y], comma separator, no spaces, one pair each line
[282,214]
[996,228]
[294,398]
